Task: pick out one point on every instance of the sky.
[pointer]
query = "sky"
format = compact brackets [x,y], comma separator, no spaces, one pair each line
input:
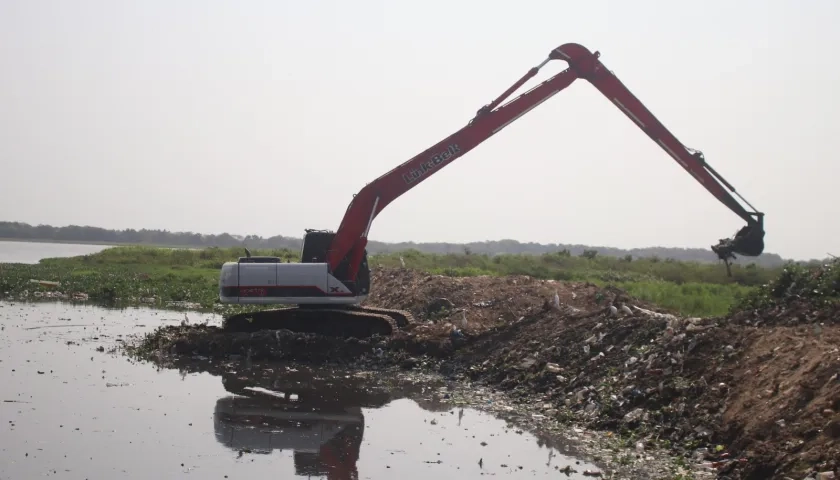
[267,116]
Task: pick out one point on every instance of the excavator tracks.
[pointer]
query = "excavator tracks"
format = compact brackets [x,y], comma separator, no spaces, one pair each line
[351,321]
[402,318]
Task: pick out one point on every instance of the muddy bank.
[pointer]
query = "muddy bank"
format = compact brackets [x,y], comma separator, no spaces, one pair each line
[298,389]
[754,395]
[75,406]
[73,409]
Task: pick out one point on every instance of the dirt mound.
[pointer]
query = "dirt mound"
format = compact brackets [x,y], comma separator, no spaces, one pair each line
[756,395]
[754,399]
[448,312]
[752,396]
[784,409]
[476,305]
[213,342]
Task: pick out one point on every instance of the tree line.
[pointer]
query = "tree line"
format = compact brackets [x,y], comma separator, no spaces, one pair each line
[83,234]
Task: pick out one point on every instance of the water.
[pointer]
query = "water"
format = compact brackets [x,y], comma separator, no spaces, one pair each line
[71,407]
[32,252]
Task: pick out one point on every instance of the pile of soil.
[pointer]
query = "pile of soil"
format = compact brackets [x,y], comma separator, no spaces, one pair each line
[750,402]
[213,342]
[752,396]
[477,305]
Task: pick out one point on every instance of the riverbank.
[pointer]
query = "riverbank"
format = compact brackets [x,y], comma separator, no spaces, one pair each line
[72,403]
[750,395]
[171,277]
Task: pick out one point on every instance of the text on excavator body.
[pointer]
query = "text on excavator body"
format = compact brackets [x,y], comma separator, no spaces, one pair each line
[431,163]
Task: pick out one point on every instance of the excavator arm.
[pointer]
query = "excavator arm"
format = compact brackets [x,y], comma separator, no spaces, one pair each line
[348,244]
[333,277]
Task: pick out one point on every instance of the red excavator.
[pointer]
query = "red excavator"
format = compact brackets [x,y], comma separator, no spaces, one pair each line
[333,276]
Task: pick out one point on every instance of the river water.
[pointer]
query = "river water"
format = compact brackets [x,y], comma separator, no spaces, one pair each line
[71,406]
[74,406]
[32,252]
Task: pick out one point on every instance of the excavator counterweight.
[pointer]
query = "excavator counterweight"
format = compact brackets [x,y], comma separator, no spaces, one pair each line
[333,276]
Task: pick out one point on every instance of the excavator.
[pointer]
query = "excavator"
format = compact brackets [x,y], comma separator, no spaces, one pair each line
[324,291]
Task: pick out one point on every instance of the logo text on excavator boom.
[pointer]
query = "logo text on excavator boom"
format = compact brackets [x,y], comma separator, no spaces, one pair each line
[431,163]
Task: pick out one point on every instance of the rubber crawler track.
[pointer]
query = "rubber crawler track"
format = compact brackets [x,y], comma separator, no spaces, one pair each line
[354,321]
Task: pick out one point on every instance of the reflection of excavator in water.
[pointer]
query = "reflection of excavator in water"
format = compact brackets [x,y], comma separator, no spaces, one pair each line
[324,443]
[333,276]
[324,425]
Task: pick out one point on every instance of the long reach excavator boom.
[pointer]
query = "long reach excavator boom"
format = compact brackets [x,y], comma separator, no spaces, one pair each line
[333,276]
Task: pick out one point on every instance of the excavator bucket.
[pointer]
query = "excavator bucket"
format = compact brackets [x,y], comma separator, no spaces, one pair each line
[749,241]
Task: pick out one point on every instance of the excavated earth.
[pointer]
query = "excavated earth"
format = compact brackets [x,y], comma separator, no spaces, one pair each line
[752,396]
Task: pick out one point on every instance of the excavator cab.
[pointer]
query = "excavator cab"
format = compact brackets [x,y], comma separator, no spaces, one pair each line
[316,244]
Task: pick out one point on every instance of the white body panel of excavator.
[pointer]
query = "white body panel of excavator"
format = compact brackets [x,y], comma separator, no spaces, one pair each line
[272,282]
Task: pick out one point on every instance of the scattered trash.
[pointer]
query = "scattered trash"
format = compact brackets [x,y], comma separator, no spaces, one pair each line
[600,357]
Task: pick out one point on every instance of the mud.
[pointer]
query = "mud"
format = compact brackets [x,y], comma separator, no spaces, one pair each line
[751,396]
[74,406]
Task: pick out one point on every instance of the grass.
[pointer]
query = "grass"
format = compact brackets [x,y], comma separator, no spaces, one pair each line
[131,274]
[134,273]
[562,266]
[693,298]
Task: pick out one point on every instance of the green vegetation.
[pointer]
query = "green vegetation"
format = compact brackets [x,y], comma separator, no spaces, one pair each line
[136,274]
[131,274]
[818,285]
[697,299]
[588,267]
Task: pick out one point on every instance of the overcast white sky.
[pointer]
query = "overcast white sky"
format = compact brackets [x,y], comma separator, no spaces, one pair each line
[266,116]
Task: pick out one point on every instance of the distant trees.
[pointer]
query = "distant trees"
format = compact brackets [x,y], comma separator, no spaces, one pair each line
[75,233]
[82,234]
[589,253]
